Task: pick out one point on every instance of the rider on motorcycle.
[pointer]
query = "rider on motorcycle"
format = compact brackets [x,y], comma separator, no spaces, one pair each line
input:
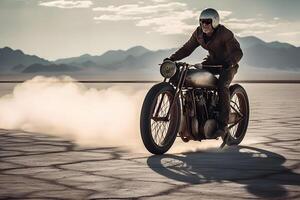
[223,50]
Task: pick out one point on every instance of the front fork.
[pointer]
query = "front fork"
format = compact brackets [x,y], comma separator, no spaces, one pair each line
[178,88]
[177,93]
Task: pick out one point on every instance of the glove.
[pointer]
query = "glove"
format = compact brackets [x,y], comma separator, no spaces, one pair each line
[207,61]
[166,59]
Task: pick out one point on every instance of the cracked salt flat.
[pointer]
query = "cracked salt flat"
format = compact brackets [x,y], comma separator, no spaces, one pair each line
[265,166]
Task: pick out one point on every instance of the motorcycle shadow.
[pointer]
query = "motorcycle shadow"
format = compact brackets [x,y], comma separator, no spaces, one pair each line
[260,171]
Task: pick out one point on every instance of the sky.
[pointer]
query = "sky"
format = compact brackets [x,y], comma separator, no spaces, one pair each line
[55,29]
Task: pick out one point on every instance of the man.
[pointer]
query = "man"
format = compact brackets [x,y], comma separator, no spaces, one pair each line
[223,50]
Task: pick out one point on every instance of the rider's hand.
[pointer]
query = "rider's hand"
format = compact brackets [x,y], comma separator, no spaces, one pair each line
[166,59]
[207,61]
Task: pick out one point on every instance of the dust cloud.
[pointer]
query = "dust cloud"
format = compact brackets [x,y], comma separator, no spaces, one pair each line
[62,107]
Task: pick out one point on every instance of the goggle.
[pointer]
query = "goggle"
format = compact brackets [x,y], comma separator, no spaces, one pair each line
[206,21]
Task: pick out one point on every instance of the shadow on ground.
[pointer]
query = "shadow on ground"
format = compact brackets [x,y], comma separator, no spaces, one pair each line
[36,166]
[261,172]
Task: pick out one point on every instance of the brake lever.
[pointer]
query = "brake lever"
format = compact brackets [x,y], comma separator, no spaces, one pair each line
[198,65]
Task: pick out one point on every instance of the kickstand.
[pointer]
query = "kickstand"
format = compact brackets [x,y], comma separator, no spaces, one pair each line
[224,142]
[222,145]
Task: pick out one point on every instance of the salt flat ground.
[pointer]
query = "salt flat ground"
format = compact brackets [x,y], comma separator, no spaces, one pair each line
[265,166]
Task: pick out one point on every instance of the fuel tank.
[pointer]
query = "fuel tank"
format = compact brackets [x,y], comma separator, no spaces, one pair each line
[200,78]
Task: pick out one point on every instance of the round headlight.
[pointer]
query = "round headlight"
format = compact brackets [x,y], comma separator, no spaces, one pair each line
[168,69]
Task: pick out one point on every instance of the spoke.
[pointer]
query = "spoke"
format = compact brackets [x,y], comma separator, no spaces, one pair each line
[159,132]
[156,105]
[236,98]
[237,111]
[161,129]
[159,105]
[232,125]
[162,134]
[234,104]
[156,129]
[155,132]
[165,128]
[237,108]
[160,126]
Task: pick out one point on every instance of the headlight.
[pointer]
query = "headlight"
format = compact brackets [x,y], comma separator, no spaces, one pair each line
[168,69]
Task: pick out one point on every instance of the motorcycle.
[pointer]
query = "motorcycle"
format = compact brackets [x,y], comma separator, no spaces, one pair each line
[186,105]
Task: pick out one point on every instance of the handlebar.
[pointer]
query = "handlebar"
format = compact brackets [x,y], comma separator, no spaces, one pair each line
[197,65]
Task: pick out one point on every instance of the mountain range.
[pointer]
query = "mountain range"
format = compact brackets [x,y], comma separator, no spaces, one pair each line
[257,53]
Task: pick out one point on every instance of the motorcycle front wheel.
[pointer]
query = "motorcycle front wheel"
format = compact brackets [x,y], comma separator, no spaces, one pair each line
[157,130]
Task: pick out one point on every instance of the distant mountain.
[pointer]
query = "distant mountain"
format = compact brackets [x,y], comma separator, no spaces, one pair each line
[257,53]
[137,51]
[250,41]
[109,57]
[277,44]
[10,58]
[75,60]
[36,68]
[276,55]
[18,68]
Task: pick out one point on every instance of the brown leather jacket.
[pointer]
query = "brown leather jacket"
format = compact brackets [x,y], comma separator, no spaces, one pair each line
[223,48]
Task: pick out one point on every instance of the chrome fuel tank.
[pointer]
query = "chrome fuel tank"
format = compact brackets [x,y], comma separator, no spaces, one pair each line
[200,78]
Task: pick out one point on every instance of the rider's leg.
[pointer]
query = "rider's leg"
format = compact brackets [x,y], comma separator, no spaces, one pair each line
[226,76]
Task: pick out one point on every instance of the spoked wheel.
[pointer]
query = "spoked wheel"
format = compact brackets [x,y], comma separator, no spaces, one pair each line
[239,115]
[157,130]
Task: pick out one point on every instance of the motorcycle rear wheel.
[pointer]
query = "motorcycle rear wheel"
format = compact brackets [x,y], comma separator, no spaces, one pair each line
[239,103]
[159,133]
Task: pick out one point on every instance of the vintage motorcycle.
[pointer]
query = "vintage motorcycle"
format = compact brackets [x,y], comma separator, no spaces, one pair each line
[186,105]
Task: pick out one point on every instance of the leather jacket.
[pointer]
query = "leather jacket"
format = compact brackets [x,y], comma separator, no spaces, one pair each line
[223,48]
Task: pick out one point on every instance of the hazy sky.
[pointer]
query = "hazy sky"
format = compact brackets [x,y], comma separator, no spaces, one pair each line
[63,28]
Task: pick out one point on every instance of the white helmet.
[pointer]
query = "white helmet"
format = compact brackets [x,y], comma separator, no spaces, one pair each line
[211,14]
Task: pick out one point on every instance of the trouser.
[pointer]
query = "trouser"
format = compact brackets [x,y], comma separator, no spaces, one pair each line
[225,78]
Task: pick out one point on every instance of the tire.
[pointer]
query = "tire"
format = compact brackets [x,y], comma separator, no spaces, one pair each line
[150,128]
[238,132]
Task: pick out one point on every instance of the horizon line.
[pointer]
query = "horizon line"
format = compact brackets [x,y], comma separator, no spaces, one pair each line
[154,81]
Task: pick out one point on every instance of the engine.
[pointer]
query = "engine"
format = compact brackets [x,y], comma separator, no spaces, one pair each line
[206,109]
[199,114]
